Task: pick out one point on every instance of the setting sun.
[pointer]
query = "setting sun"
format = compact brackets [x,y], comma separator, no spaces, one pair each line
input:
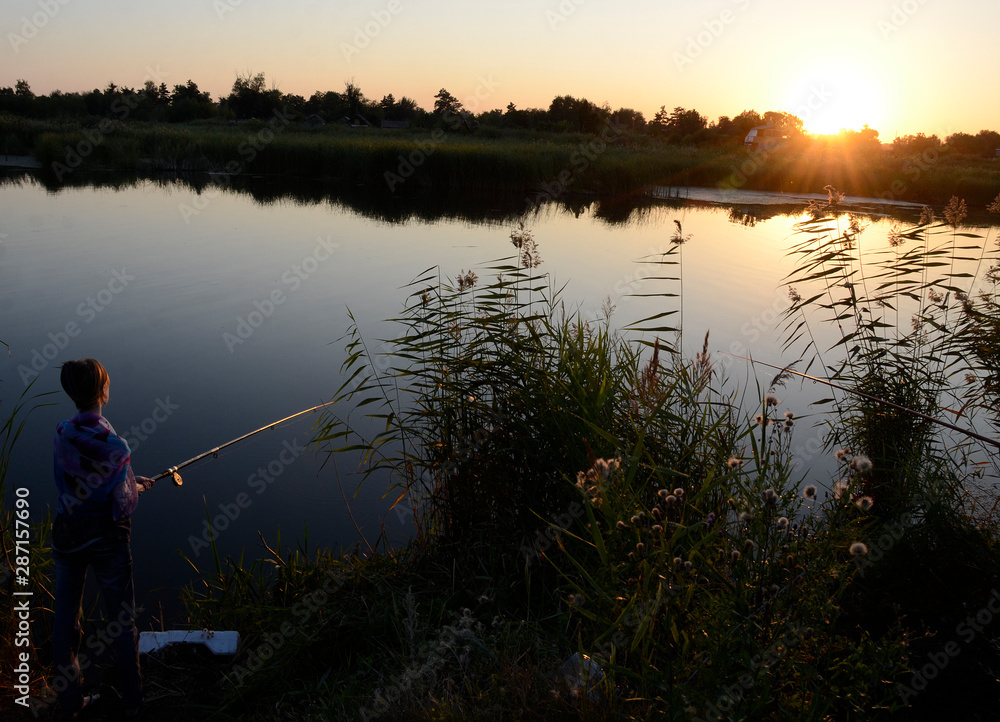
[837,93]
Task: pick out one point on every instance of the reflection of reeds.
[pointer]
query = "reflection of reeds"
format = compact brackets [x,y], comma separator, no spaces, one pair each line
[916,366]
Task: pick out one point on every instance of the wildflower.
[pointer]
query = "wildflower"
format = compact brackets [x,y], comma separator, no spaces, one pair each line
[679,238]
[840,488]
[789,423]
[735,555]
[525,243]
[640,547]
[655,511]
[749,545]
[746,516]
[956,211]
[782,522]
[687,566]
[734,462]
[770,497]
[710,519]
[657,529]
[865,503]
[635,519]
[841,454]
[602,468]
[678,491]
[926,216]
[467,280]
[581,479]
[858,549]
[809,492]
[671,500]
[793,295]
[771,400]
[790,415]
[577,600]
[861,464]
[663,493]
[758,419]
[677,562]
[621,525]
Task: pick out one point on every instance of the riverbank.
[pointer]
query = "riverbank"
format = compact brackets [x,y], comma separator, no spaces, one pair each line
[541,166]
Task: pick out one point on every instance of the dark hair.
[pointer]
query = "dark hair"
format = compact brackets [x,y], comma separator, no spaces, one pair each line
[84,381]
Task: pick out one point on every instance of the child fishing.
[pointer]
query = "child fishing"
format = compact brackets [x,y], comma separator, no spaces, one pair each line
[97,494]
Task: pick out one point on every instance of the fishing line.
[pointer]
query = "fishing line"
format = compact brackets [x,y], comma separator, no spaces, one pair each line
[862,394]
[176,477]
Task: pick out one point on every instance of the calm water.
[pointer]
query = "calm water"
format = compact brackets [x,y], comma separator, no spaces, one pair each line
[217,311]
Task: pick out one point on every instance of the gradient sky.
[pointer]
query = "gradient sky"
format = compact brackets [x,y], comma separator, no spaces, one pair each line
[900,66]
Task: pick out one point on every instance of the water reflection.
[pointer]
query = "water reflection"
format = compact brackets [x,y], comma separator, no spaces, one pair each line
[457,204]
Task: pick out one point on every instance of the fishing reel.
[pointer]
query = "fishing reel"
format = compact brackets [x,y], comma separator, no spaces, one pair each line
[171,472]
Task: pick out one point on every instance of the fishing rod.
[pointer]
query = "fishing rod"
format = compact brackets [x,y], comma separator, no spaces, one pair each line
[862,394]
[178,481]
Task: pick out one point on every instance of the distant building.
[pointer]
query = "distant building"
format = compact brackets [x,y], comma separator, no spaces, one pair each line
[356,121]
[764,136]
[396,124]
[313,120]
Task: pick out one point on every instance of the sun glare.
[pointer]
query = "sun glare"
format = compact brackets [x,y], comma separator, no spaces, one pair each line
[838,93]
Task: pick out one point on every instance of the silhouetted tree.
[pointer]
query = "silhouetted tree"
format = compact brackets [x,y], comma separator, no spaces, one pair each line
[446,104]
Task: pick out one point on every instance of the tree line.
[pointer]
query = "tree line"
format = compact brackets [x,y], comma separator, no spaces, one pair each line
[252,98]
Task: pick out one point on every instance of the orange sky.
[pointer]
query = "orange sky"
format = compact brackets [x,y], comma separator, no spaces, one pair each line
[903,67]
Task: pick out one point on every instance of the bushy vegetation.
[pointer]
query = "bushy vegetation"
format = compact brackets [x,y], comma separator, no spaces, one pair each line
[606,530]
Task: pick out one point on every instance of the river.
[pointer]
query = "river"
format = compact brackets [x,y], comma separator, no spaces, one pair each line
[217,309]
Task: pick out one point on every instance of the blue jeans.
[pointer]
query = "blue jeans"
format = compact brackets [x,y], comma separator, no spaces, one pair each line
[111,558]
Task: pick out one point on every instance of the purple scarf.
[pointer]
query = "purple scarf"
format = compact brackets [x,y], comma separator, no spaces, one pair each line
[92,469]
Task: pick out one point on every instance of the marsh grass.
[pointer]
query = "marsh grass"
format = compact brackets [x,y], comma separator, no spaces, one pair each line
[903,327]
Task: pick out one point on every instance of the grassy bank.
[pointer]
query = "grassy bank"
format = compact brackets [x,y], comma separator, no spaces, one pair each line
[542,165]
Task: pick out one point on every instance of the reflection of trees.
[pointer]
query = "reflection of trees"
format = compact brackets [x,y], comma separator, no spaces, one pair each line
[431,205]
